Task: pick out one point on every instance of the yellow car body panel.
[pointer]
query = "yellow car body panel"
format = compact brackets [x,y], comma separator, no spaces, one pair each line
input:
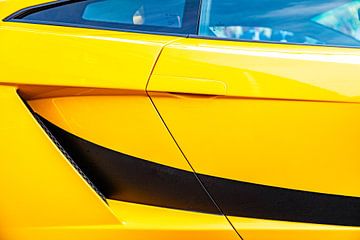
[254,229]
[91,58]
[259,70]
[39,188]
[105,87]
[263,123]
[8,7]
[293,139]
[159,223]
[76,115]
[268,116]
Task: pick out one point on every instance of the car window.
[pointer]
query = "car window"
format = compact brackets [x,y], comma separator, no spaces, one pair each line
[172,16]
[315,22]
[139,12]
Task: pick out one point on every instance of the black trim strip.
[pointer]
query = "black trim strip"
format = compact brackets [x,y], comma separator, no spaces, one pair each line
[251,200]
[126,178]
[67,156]
[122,177]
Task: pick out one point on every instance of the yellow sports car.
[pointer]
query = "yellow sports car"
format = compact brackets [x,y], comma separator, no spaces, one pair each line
[180,119]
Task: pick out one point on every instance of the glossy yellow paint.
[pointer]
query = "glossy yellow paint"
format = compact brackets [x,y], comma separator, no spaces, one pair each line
[132,216]
[259,229]
[38,185]
[260,70]
[277,115]
[8,7]
[45,198]
[91,83]
[117,232]
[187,85]
[70,57]
[159,223]
[125,123]
[299,145]
[262,121]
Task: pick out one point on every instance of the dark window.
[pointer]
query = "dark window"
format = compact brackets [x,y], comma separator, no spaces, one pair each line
[169,16]
[315,22]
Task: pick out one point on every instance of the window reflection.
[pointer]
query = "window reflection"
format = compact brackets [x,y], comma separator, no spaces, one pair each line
[317,22]
[259,34]
[345,19]
[139,12]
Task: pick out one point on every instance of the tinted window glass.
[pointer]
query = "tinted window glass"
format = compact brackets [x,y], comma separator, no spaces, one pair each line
[319,22]
[173,16]
[151,13]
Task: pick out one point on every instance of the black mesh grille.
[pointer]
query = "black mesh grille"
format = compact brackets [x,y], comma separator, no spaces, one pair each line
[67,156]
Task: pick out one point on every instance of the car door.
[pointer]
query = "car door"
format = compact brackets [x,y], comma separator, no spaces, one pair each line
[98,160]
[264,104]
